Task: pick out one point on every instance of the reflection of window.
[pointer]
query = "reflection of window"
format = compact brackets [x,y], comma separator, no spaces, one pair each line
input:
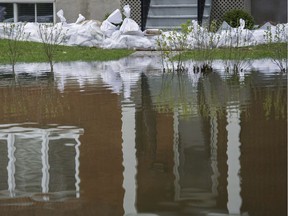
[27,12]
[34,161]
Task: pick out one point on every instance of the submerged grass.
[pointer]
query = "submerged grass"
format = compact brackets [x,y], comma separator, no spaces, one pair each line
[33,52]
[251,52]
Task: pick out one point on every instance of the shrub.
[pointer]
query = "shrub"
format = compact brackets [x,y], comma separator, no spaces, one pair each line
[232,18]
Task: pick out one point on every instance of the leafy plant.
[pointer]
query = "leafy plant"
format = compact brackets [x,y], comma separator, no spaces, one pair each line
[14,33]
[275,45]
[51,37]
[232,17]
[206,42]
[234,58]
[172,46]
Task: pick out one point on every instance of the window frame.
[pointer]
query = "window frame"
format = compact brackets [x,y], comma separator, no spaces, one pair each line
[35,2]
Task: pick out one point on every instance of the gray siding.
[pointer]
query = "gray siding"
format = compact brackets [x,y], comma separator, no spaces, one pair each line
[268,10]
[91,9]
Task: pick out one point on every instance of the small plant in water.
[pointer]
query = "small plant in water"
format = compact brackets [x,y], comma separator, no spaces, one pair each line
[280,36]
[51,37]
[234,59]
[172,46]
[14,33]
[207,41]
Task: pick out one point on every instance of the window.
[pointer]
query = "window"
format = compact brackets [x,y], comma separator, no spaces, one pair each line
[27,12]
[44,12]
[6,11]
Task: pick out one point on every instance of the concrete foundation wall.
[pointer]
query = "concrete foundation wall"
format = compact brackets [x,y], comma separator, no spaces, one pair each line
[97,9]
[90,9]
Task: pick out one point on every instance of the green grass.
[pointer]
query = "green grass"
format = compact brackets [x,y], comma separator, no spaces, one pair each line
[33,52]
[252,52]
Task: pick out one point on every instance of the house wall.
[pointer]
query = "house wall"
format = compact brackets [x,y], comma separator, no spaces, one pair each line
[267,10]
[90,9]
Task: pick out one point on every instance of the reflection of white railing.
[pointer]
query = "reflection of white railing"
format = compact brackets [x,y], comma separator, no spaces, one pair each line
[11,164]
[129,159]
[233,153]
[14,135]
[193,190]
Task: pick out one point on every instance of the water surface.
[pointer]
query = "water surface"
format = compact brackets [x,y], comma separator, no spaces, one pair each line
[122,138]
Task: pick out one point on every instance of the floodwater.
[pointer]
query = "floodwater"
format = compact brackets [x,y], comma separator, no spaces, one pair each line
[121,138]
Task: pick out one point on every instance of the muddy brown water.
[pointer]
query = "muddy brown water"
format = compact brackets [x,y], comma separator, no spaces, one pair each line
[94,139]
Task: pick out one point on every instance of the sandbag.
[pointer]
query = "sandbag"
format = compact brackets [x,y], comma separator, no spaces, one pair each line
[115,17]
[129,26]
[80,19]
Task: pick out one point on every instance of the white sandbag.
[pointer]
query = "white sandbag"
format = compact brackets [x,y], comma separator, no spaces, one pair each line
[87,33]
[129,26]
[282,32]
[60,15]
[224,26]
[270,33]
[266,26]
[126,11]
[115,17]
[80,19]
[33,30]
[259,36]
[127,42]
[108,28]
[236,37]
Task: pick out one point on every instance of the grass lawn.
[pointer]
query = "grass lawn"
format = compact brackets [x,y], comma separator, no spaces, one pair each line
[252,52]
[33,52]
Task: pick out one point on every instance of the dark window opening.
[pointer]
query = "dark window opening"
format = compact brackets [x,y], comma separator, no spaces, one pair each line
[44,12]
[26,12]
[6,12]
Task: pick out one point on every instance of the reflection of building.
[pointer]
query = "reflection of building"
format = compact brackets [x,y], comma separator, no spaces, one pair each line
[215,160]
[264,173]
[138,157]
[46,158]
[100,170]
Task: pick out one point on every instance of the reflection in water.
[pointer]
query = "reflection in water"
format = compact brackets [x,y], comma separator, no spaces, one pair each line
[129,159]
[213,152]
[34,158]
[233,153]
[162,144]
